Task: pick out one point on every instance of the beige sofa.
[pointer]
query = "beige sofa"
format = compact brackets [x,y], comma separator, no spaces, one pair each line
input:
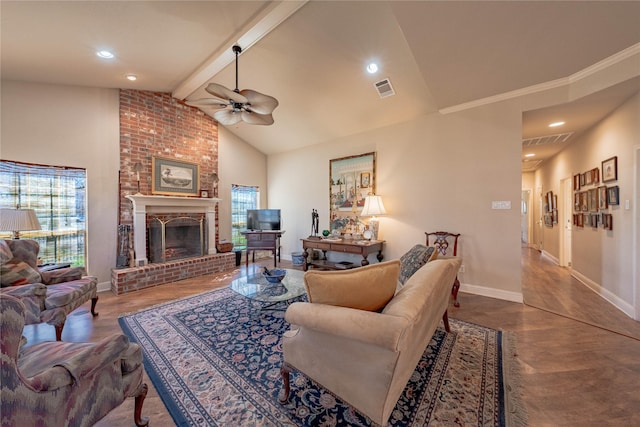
[367,357]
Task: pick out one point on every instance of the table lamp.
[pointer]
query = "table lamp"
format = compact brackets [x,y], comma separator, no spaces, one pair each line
[17,220]
[373,206]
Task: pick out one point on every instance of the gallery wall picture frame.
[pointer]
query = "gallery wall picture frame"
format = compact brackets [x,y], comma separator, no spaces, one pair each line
[581,180]
[548,219]
[595,176]
[576,202]
[576,182]
[549,197]
[610,169]
[554,216]
[171,177]
[613,195]
[588,178]
[607,221]
[602,197]
[584,201]
[594,220]
[580,220]
[351,179]
[593,200]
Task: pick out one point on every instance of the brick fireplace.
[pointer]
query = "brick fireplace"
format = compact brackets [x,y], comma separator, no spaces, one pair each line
[203,261]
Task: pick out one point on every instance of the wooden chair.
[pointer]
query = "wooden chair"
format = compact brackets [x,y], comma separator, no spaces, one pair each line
[442,240]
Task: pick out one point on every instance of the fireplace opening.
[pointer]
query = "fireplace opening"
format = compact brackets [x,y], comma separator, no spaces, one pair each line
[175,237]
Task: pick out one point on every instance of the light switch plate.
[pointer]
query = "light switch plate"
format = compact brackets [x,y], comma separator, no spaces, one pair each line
[500,204]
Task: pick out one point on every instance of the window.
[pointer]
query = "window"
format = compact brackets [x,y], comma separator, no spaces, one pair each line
[243,198]
[58,196]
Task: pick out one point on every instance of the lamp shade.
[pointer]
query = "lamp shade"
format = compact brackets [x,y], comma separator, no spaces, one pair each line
[373,206]
[17,220]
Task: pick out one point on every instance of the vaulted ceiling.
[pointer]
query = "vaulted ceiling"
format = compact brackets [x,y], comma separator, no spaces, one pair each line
[311,56]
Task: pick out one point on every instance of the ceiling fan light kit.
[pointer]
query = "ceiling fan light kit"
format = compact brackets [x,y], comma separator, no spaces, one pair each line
[236,105]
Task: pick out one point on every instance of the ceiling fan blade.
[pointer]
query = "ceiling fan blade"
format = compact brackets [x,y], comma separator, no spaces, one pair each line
[208,103]
[222,92]
[260,103]
[227,117]
[257,119]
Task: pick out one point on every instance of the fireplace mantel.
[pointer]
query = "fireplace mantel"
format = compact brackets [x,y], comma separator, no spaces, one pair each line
[144,204]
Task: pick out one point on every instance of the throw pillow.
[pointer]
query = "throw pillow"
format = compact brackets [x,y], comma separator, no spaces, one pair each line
[411,262]
[15,272]
[366,288]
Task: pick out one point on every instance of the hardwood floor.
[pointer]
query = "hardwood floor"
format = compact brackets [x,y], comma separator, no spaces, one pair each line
[572,373]
[549,287]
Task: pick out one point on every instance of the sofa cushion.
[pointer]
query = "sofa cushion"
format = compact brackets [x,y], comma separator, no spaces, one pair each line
[411,262]
[365,288]
[15,273]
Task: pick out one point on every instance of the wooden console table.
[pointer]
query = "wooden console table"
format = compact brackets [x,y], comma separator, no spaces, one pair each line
[263,241]
[358,247]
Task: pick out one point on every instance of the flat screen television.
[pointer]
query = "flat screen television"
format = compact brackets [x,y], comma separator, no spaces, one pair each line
[264,219]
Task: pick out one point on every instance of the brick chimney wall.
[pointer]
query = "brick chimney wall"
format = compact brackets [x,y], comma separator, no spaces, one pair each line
[156,124]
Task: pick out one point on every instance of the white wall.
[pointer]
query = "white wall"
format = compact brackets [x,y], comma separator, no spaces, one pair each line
[604,259]
[440,172]
[238,163]
[70,126]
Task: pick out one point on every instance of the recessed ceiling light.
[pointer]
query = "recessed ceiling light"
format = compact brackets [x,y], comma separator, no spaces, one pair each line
[131,77]
[556,124]
[372,68]
[105,54]
[529,155]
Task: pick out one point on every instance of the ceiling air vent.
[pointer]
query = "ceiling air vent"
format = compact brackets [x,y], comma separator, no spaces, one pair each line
[384,88]
[549,139]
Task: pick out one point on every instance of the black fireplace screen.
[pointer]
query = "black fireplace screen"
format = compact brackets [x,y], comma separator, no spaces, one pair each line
[175,238]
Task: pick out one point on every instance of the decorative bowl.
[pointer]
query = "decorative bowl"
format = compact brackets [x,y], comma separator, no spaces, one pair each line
[275,276]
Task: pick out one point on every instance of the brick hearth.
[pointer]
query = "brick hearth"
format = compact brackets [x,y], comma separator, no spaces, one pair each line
[136,278]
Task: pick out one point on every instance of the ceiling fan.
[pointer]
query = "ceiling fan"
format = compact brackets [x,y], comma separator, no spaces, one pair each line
[237,105]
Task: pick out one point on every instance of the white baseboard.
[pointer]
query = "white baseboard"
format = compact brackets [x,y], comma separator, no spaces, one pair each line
[555,260]
[492,293]
[607,295]
[104,286]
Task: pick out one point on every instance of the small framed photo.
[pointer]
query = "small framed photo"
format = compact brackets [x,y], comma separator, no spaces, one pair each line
[613,195]
[607,221]
[595,175]
[576,202]
[582,180]
[549,197]
[610,169]
[584,201]
[588,177]
[554,216]
[594,220]
[204,194]
[602,198]
[593,200]
[548,220]
[580,220]
[576,182]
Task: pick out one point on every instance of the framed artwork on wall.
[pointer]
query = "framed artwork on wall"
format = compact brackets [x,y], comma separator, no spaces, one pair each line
[610,169]
[613,195]
[593,200]
[174,177]
[351,179]
[580,220]
[602,198]
[576,182]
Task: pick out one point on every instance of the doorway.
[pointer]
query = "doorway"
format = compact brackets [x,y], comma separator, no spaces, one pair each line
[566,216]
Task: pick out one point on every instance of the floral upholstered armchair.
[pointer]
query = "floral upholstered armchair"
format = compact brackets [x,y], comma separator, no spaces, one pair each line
[58,384]
[49,296]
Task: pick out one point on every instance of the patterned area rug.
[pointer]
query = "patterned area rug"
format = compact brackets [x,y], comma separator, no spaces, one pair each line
[215,360]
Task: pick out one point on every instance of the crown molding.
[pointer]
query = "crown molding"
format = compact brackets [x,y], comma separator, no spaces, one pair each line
[609,62]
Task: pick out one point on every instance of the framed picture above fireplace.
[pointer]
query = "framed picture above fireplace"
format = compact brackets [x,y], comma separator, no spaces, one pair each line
[174,177]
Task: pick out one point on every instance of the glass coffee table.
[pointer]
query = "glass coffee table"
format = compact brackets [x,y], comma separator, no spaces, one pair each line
[256,287]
